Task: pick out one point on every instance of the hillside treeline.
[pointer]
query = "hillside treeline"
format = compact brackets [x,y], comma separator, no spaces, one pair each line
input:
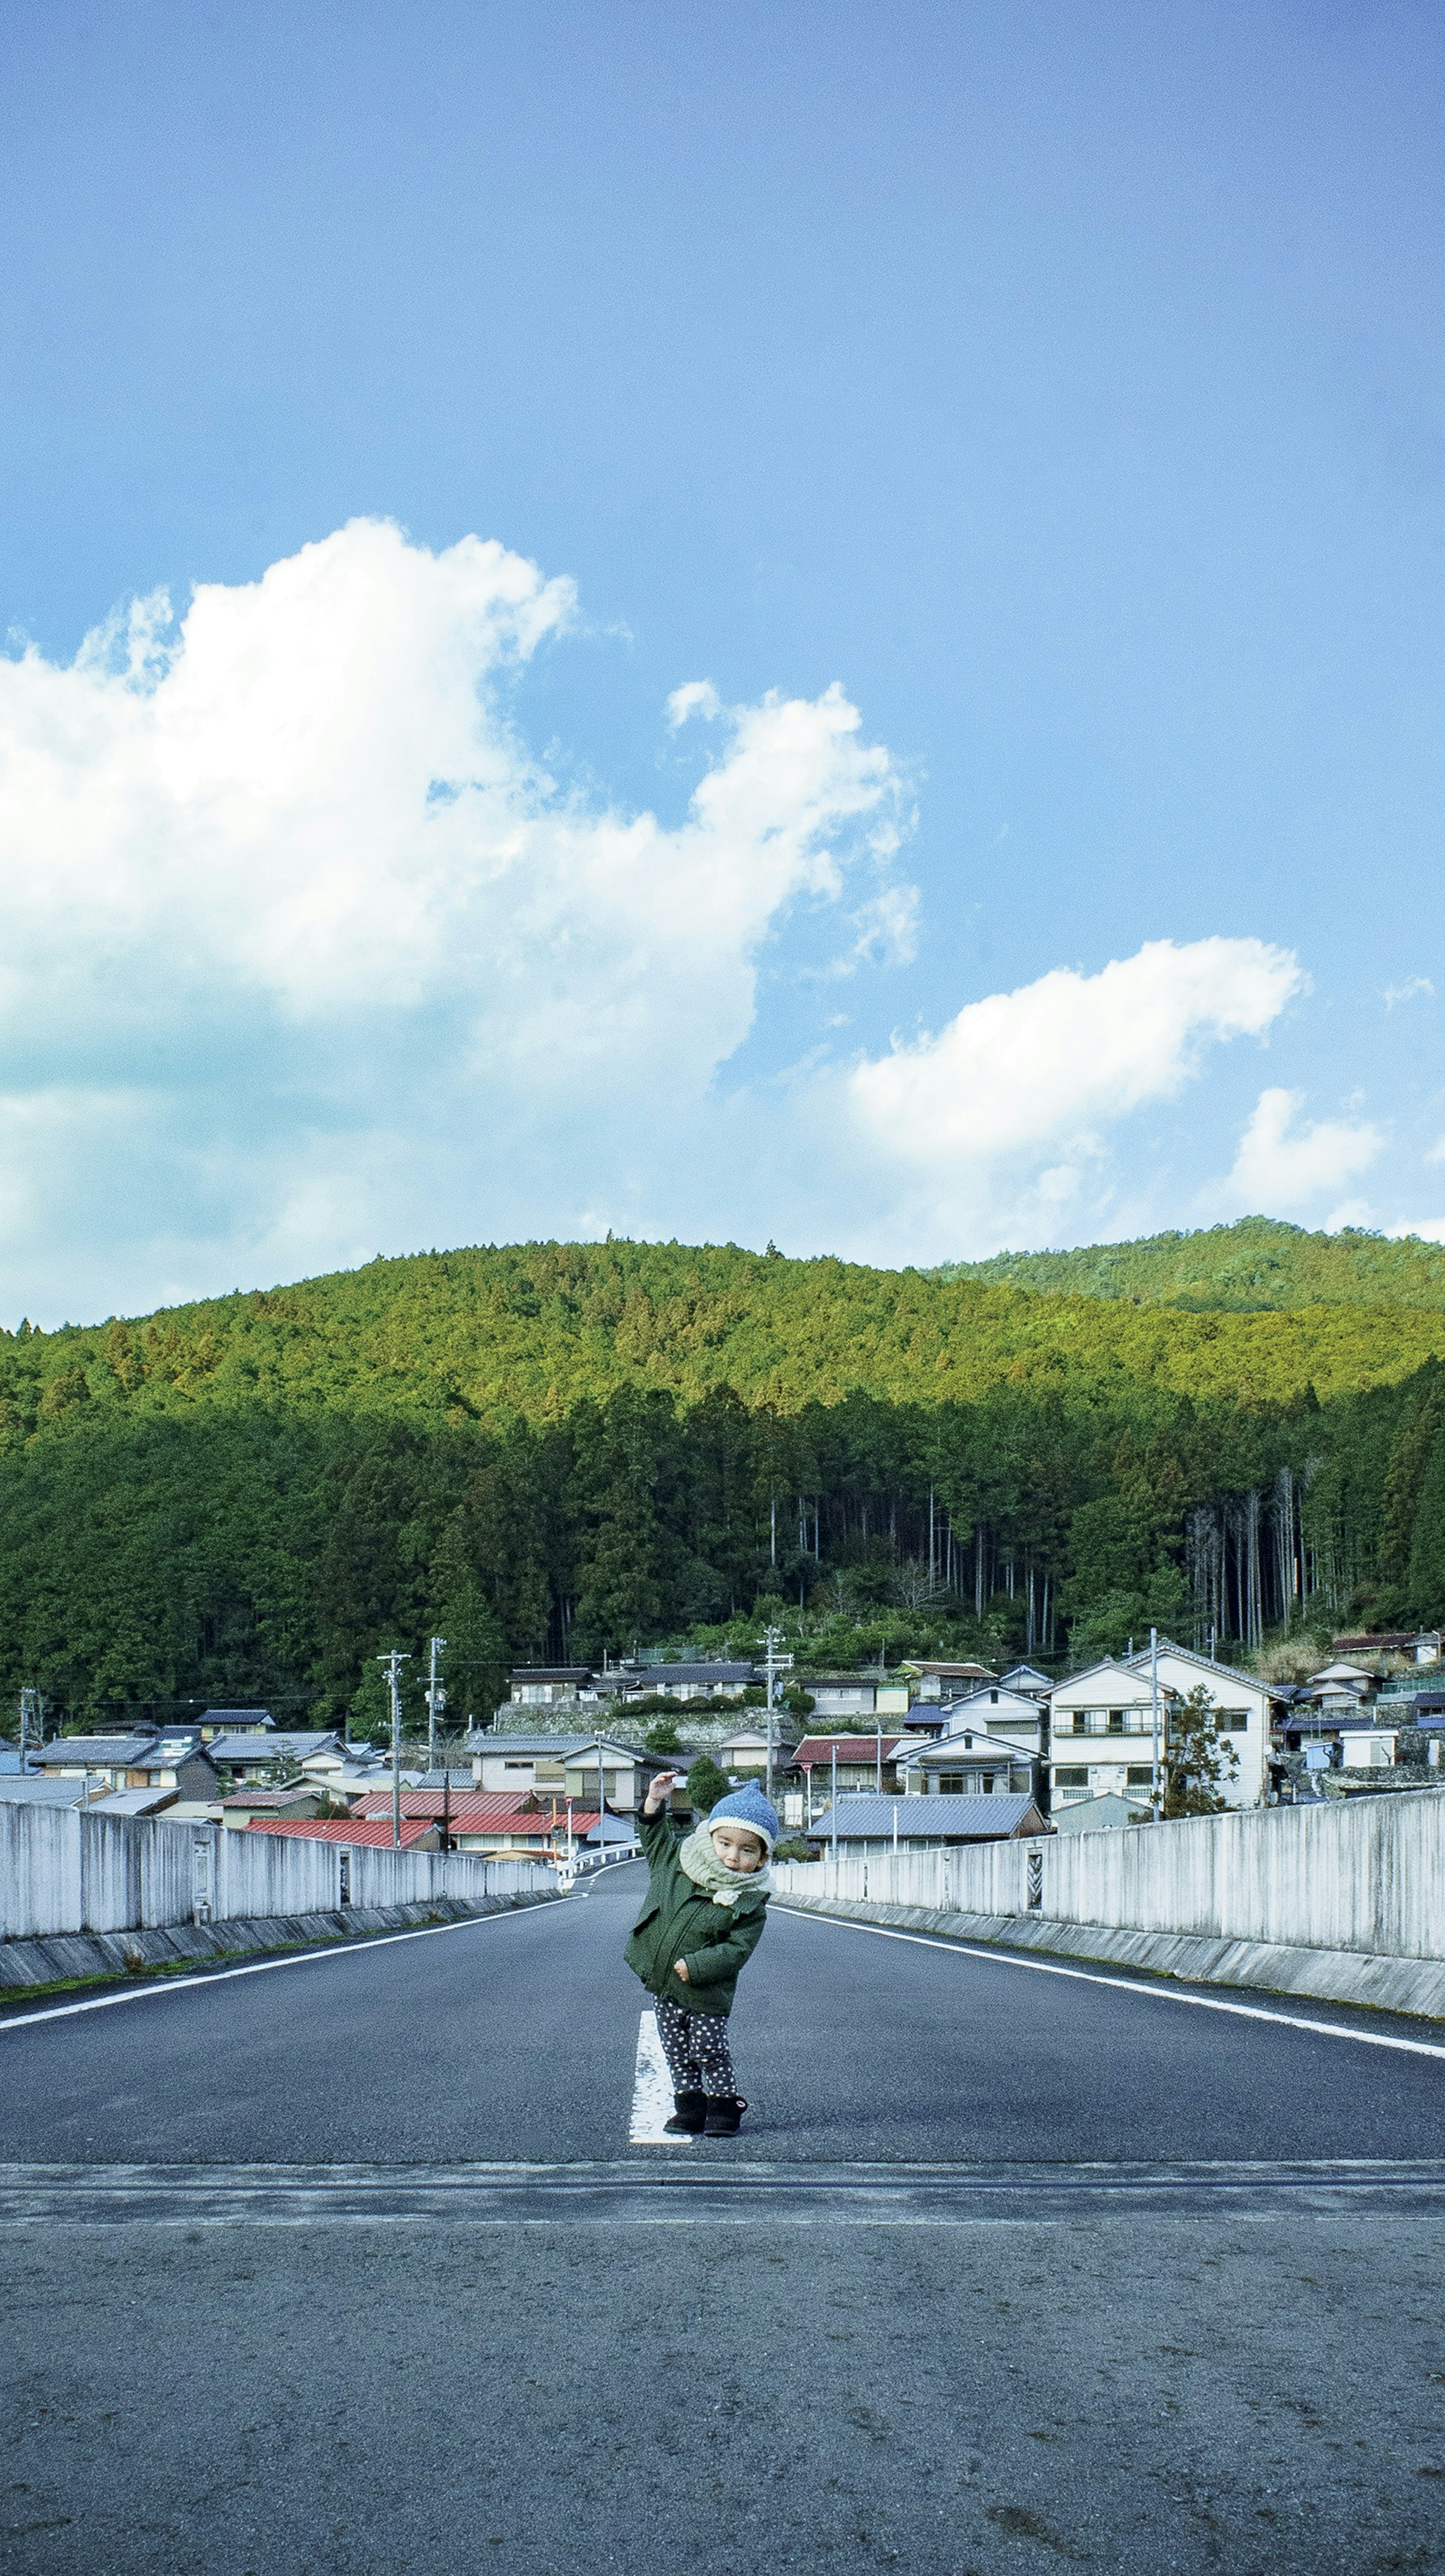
[521,1451]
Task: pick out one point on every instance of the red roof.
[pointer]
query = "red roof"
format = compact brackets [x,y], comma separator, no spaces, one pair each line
[474,1812]
[526,1828]
[433,1802]
[851,1748]
[341,1829]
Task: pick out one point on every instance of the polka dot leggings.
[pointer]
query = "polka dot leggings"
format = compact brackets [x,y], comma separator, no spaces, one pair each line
[696,2048]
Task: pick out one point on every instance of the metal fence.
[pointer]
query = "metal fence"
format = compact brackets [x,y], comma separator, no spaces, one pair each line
[1367,1874]
[62,1870]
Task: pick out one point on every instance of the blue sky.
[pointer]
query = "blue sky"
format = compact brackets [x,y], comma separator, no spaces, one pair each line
[1060,383]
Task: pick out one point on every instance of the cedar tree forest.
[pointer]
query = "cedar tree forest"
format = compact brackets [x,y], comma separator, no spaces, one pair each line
[547,1451]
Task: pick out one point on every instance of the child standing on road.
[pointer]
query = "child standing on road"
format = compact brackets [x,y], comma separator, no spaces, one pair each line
[707,1895]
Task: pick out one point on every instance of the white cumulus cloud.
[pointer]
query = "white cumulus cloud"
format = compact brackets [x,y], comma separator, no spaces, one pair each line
[303,955]
[1283,1168]
[1013,1072]
[286,903]
[985,1133]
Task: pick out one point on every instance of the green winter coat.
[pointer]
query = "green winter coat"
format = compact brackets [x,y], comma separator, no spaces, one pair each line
[680,1921]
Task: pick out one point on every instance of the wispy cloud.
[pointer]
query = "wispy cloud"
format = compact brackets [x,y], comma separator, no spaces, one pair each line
[1415,988]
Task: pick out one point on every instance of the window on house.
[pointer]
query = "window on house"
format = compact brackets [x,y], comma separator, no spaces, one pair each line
[1116,1721]
[1068,1779]
[1081,1721]
[1139,1775]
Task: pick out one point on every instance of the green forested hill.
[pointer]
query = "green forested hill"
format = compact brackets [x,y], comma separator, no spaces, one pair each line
[553,1449]
[1258,1263]
[532,1329]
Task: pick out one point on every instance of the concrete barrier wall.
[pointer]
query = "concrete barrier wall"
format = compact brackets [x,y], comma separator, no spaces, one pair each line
[64,1871]
[1367,1876]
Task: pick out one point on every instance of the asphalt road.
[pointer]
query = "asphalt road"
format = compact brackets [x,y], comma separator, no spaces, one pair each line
[275,2313]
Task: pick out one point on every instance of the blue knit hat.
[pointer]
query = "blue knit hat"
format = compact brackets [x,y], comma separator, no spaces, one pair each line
[749,1808]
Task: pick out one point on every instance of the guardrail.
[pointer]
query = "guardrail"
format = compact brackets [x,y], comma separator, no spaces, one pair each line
[62,1870]
[1367,1875]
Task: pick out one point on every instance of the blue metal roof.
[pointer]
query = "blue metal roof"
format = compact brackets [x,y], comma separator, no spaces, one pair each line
[865,1816]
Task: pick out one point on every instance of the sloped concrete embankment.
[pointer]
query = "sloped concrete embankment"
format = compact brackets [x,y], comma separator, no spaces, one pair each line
[1344,1904]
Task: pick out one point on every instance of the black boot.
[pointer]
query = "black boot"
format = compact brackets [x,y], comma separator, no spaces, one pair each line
[689,2110]
[724,2115]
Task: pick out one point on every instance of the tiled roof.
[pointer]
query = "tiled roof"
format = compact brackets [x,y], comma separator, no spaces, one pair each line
[340,1829]
[665,1676]
[524,1827]
[270,1747]
[985,1819]
[102,1752]
[256,1800]
[479,1807]
[31,1789]
[851,1748]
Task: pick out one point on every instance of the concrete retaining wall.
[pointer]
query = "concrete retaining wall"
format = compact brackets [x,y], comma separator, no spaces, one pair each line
[65,1871]
[69,1955]
[1342,1902]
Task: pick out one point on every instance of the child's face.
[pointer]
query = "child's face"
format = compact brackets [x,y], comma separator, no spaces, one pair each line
[737,1849]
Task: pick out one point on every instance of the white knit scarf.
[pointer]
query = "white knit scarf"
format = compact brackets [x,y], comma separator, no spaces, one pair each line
[699,1857]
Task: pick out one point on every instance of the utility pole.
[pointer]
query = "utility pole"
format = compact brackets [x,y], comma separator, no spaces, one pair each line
[32,1706]
[835,1798]
[436,1700]
[772,1640]
[393,1663]
[1156,1798]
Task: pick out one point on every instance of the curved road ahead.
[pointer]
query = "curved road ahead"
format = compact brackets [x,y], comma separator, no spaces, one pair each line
[348,2264]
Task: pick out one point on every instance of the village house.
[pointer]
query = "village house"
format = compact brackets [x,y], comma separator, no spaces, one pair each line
[417,1833]
[247,1806]
[319,1752]
[1102,1734]
[541,1686]
[747,1751]
[998,1710]
[942,1682]
[689,1681]
[164,1768]
[967,1763]
[862,1762]
[1241,1712]
[857,1695]
[502,1826]
[1418,1645]
[865,1825]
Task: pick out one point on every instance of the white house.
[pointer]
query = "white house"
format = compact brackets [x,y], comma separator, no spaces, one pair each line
[999,1711]
[1102,1725]
[1242,1712]
[967,1763]
[1101,1734]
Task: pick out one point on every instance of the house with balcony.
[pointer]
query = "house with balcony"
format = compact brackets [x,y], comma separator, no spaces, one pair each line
[1241,1711]
[1101,1734]
[846,1761]
[1102,1725]
[967,1763]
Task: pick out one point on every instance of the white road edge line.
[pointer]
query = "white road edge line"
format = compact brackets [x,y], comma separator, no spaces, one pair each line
[256,1968]
[651,2090]
[1130,1986]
